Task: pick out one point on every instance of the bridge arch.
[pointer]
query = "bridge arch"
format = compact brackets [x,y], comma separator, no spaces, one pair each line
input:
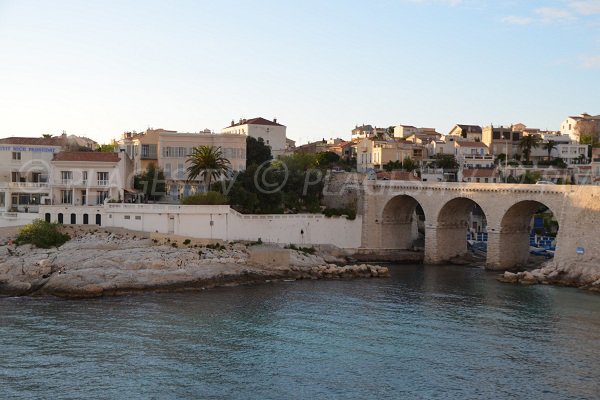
[400,222]
[515,229]
[447,237]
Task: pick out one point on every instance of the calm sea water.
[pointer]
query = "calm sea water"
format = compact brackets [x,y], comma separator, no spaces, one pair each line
[428,332]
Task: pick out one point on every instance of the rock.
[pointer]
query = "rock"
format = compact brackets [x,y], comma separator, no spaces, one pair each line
[508,277]
[527,278]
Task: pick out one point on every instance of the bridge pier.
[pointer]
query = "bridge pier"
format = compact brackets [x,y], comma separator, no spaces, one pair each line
[506,250]
[443,243]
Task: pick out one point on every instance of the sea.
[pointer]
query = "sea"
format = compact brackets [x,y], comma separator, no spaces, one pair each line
[428,332]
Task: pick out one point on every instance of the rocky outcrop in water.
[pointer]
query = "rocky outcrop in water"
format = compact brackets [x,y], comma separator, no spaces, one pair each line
[579,277]
[104,262]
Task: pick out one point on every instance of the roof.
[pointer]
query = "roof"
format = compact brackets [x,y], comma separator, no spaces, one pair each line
[470,128]
[94,156]
[397,176]
[465,143]
[480,173]
[255,121]
[33,141]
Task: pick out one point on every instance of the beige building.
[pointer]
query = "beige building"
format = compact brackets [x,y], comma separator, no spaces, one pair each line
[174,149]
[466,132]
[501,140]
[272,132]
[374,154]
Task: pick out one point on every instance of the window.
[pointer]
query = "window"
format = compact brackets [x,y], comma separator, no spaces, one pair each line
[84,177]
[102,195]
[102,178]
[15,177]
[167,170]
[127,217]
[66,196]
[16,155]
[66,177]
[180,171]
[138,217]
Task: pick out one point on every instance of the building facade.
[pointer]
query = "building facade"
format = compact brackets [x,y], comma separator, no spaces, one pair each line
[24,171]
[89,178]
[272,132]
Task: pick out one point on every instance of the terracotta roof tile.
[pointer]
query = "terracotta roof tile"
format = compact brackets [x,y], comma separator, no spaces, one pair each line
[256,121]
[480,173]
[33,141]
[95,156]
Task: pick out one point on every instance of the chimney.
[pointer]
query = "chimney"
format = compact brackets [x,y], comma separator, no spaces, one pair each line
[275,120]
[232,122]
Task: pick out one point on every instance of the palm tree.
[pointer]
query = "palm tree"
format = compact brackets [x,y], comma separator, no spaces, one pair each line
[208,163]
[549,146]
[527,143]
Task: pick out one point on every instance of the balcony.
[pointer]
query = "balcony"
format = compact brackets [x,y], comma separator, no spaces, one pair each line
[103,182]
[23,185]
[66,181]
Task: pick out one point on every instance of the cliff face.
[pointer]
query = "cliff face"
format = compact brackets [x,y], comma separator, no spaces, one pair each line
[100,262]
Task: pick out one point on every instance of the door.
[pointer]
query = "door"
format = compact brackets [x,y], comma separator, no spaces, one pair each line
[171,224]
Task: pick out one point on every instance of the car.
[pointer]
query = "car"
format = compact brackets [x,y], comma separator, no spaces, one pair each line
[545,183]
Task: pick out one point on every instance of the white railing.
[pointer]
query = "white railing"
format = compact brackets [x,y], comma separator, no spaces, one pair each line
[22,185]
[102,182]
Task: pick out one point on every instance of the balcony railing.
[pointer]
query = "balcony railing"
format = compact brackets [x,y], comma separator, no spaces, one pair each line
[66,181]
[102,182]
[24,185]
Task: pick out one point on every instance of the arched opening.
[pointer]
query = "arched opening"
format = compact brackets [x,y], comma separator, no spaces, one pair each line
[47,217]
[60,218]
[98,219]
[86,219]
[461,226]
[73,219]
[528,233]
[402,224]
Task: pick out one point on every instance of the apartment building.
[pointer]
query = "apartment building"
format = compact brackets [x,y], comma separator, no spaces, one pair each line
[89,178]
[24,171]
[174,148]
[272,132]
[374,154]
[466,132]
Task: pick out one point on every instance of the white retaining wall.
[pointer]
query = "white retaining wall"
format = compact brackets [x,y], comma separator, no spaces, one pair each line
[219,223]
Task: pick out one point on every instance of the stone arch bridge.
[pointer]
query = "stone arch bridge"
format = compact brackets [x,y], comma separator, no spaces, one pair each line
[389,212]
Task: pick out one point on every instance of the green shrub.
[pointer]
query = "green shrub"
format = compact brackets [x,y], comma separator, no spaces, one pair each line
[205,199]
[348,212]
[187,241]
[42,234]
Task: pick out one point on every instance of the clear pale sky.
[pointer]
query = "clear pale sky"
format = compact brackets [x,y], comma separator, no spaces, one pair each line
[98,68]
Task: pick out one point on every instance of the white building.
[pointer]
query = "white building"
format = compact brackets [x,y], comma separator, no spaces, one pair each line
[570,125]
[24,170]
[89,178]
[272,133]
[472,155]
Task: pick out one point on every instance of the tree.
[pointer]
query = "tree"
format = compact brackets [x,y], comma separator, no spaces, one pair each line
[549,146]
[445,161]
[106,148]
[257,152]
[47,135]
[392,165]
[527,143]
[408,164]
[326,159]
[42,234]
[208,163]
[151,182]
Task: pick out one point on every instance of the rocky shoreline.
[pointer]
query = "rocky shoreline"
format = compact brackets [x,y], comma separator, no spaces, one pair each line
[107,262]
[549,274]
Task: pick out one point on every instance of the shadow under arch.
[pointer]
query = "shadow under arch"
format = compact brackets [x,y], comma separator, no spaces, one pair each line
[402,223]
[452,227]
[515,229]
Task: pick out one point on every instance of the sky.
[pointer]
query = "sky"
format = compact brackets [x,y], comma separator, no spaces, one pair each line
[99,68]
